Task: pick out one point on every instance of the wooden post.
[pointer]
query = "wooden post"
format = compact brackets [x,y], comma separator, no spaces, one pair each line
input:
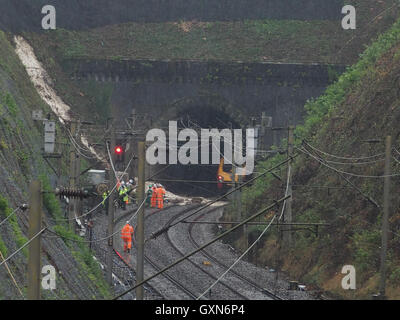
[72,182]
[140,220]
[35,226]
[242,214]
[385,217]
[132,169]
[111,209]
[288,216]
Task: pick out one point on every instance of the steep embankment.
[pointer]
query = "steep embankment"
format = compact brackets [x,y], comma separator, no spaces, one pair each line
[362,105]
[21,143]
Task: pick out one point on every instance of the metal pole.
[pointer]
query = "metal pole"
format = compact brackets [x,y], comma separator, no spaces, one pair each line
[164,229]
[263,132]
[72,157]
[35,226]
[78,202]
[242,214]
[111,209]
[385,217]
[233,197]
[203,246]
[288,214]
[132,171]
[140,221]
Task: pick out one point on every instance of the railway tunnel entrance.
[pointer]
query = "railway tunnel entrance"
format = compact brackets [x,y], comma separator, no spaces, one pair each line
[201,112]
[204,94]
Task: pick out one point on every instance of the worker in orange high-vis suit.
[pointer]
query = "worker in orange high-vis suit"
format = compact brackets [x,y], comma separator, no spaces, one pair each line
[153,200]
[160,194]
[127,235]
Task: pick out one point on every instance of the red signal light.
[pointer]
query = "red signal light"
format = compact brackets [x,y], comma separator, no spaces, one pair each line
[118,150]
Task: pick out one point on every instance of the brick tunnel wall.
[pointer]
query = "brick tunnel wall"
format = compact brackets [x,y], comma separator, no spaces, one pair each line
[157,87]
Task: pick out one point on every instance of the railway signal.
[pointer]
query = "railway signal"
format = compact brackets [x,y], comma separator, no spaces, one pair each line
[119,150]
[119,155]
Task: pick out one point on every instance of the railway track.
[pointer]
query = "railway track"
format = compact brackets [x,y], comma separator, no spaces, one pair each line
[212,276]
[178,284]
[245,279]
[154,264]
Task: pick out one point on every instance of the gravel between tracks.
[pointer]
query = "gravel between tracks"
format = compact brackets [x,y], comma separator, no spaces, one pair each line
[225,253]
[121,271]
[188,274]
[193,278]
[179,234]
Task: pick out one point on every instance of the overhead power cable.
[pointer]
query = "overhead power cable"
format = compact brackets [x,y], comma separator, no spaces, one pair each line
[345,158]
[86,149]
[204,246]
[101,239]
[356,163]
[99,204]
[77,148]
[27,243]
[237,260]
[254,243]
[341,175]
[395,159]
[9,216]
[324,162]
[12,277]
[112,163]
[161,231]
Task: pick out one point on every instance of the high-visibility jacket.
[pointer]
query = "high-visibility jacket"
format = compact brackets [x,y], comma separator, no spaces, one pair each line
[160,193]
[148,195]
[153,196]
[105,195]
[127,232]
[123,192]
[126,197]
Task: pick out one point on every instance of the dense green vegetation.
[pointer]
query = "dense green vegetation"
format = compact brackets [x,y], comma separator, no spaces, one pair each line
[363,103]
[78,247]
[6,211]
[20,162]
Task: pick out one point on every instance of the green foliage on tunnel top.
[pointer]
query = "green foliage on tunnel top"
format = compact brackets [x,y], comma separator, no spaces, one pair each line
[261,40]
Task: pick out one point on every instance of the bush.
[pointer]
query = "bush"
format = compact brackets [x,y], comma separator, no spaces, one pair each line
[366,253]
[395,276]
[5,211]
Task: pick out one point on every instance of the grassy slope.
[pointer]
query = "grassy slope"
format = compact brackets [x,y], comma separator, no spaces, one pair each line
[363,104]
[20,161]
[260,40]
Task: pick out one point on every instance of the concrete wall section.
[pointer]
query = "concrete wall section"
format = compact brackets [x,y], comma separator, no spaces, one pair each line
[223,73]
